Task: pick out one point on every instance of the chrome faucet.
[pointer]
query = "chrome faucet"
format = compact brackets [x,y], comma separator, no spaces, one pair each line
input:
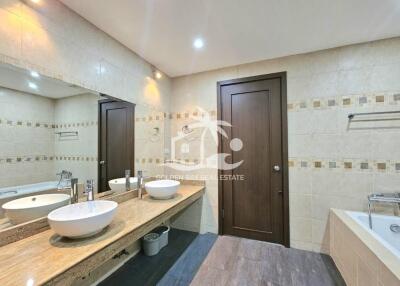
[390,198]
[89,190]
[140,183]
[127,180]
[74,190]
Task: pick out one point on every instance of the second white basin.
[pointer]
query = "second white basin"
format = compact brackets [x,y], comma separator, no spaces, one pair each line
[33,207]
[118,185]
[82,219]
[162,189]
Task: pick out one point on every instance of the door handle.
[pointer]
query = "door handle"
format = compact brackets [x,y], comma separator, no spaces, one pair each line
[102,162]
[276,168]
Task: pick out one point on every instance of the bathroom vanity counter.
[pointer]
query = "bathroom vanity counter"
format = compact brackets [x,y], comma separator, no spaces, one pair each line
[49,259]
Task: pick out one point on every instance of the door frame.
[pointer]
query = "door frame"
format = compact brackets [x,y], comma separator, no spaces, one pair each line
[110,99]
[284,137]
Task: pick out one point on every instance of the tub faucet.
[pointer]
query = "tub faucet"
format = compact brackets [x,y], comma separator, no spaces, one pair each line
[389,198]
[89,190]
[127,180]
[64,175]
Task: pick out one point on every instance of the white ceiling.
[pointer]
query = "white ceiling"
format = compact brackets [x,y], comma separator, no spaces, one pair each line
[237,31]
[18,79]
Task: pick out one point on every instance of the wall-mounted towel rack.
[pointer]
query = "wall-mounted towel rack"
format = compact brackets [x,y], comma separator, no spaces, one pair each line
[352,115]
[67,133]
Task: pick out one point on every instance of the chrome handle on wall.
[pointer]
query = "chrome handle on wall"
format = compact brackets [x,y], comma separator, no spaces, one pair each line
[102,162]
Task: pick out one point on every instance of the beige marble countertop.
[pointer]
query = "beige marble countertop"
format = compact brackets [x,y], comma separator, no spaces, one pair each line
[44,257]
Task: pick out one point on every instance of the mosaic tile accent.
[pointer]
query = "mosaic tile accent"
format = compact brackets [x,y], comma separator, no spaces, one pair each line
[316,103]
[77,158]
[362,100]
[331,102]
[381,166]
[46,125]
[332,165]
[317,164]
[348,101]
[380,98]
[26,158]
[174,116]
[346,165]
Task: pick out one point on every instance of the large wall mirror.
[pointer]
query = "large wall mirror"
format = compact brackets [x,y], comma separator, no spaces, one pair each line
[52,131]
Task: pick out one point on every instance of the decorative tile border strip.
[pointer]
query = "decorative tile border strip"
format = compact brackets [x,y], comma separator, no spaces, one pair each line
[153,117]
[36,124]
[175,116]
[149,160]
[76,124]
[26,159]
[45,158]
[186,161]
[361,165]
[25,123]
[76,158]
[357,100]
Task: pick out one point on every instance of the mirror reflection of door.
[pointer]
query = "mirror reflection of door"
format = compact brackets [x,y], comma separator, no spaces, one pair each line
[116,140]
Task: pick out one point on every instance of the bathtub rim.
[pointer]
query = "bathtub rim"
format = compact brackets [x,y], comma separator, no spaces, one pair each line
[388,258]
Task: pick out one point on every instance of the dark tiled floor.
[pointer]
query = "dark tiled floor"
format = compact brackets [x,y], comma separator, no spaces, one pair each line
[144,270]
[238,261]
[231,261]
[184,270]
[176,264]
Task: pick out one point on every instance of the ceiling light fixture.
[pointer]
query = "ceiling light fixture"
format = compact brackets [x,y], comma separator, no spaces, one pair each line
[35,1]
[198,43]
[34,74]
[158,74]
[33,85]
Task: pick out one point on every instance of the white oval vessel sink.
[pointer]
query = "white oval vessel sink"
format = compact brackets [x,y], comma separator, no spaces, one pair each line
[33,207]
[82,219]
[118,185]
[162,189]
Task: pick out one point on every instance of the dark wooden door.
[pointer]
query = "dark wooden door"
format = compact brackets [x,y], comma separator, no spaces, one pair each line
[253,198]
[116,141]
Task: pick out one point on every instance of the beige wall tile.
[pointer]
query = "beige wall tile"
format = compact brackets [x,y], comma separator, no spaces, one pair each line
[321,133]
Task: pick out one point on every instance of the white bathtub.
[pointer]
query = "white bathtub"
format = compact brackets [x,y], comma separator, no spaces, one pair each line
[380,229]
[12,193]
[364,256]
[27,189]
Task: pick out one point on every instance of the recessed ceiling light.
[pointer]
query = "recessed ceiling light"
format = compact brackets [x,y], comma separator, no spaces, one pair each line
[158,74]
[35,1]
[34,74]
[198,43]
[32,85]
